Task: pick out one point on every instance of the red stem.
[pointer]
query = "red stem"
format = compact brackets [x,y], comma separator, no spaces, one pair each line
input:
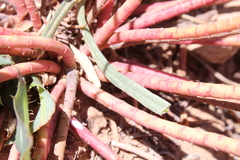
[221,41]
[21,52]
[145,8]
[20,7]
[14,153]
[175,33]
[34,15]
[8,31]
[186,87]
[30,67]
[105,13]
[156,16]
[40,43]
[92,140]
[128,67]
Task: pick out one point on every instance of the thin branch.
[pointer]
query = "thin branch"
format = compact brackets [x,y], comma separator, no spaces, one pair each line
[39,43]
[59,148]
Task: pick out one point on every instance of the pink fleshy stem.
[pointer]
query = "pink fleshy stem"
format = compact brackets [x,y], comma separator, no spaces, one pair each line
[14,153]
[175,33]
[226,103]
[20,7]
[45,133]
[117,19]
[196,136]
[9,31]
[145,8]
[30,67]
[156,16]
[34,15]
[21,52]
[93,141]
[221,91]
[233,40]
[128,67]
[95,11]
[149,8]
[39,43]
[114,22]
[105,13]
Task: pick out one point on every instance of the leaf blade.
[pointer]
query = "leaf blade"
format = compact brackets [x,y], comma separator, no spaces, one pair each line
[24,139]
[47,105]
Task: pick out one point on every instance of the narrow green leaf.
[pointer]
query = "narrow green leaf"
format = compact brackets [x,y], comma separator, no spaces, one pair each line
[24,139]
[141,94]
[61,13]
[47,105]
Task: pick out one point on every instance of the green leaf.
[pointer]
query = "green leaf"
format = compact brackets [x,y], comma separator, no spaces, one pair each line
[4,61]
[24,139]
[47,105]
[61,13]
[133,89]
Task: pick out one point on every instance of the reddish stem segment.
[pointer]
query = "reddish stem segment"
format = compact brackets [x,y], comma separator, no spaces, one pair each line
[40,43]
[117,19]
[159,15]
[175,33]
[145,8]
[186,87]
[30,67]
[8,31]
[196,136]
[20,7]
[93,141]
[21,52]
[221,41]
[128,67]
[34,15]
[94,12]
[105,13]
[14,153]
